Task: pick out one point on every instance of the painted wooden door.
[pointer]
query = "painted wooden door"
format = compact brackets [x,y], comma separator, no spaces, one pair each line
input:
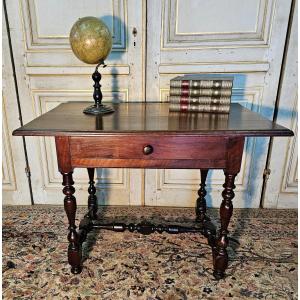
[15,188]
[246,41]
[238,37]
[282,184]
[48,74]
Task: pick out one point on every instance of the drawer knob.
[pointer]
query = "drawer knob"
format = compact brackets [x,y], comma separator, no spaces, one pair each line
[148,149]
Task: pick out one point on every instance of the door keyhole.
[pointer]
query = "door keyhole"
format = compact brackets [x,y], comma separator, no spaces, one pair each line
[134,32]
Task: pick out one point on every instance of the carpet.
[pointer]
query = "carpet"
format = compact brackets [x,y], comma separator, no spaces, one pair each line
[262,252]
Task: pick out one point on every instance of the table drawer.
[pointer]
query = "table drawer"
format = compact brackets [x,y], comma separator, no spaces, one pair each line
[148,147]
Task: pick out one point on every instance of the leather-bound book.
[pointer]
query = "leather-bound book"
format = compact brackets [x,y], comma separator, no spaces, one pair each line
[224,109]
[199,81]
[189,92]
[200,100]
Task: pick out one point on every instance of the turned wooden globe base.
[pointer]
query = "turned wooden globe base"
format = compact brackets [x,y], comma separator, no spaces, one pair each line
[98,108]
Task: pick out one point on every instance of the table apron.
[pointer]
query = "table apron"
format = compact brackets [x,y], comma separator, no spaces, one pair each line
[169,152]
[149,163]
[163,147]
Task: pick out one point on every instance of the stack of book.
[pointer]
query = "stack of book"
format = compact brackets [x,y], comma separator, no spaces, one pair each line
[196,93]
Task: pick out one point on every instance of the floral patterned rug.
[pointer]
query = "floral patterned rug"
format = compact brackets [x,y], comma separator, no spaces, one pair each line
[262,251]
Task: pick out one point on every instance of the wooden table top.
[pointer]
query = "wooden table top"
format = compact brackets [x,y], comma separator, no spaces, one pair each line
[67,119]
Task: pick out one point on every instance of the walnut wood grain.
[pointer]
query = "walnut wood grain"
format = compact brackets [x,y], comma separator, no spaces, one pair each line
[147,163]
[63,154]
[74,249]
[164,147]
[92,200]
[152,118]
[220,255]
[201,201]
[235,147]
[147,135]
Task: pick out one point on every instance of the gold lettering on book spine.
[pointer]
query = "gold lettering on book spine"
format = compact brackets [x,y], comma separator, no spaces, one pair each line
[202,84]
[200,92]
[199,108]
[200,100]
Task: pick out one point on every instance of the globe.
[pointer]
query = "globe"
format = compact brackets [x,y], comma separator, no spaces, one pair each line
[90,40]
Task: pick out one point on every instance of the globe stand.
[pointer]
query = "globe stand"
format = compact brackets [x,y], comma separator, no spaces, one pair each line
[98,108]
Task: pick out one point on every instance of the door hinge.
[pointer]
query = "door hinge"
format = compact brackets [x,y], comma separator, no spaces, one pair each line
[267,173]
[27,171]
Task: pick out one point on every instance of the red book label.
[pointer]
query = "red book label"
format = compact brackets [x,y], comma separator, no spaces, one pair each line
[185,92]
[183,107]
[184,100]
[185,83]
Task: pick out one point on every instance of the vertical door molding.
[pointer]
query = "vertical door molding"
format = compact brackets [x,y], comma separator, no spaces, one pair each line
[183,37]
[48,74]
[282,185]
[15,188]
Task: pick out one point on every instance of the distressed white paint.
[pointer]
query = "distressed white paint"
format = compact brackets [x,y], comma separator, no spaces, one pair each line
[252,56]
[282,186]
[15,189]
[48,73]
[216,23]
[65,16]
[37,15]
[214,16]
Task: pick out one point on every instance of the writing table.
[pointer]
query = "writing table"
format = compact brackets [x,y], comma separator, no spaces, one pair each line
[147,135]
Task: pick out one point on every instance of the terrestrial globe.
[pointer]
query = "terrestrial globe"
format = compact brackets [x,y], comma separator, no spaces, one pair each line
[91,42]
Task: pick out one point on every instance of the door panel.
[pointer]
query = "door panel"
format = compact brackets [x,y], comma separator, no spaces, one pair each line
[185,37]
[15,188]
[282,185]
[246,42]
[48,74]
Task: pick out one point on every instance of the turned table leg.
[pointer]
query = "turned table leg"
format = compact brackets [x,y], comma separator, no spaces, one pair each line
[92,200]
[220,253]
[74,249]
[201,202]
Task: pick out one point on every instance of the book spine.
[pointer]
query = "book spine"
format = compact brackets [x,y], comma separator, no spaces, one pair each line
[186,92]
[200,100]
[202,84]
[199,108]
